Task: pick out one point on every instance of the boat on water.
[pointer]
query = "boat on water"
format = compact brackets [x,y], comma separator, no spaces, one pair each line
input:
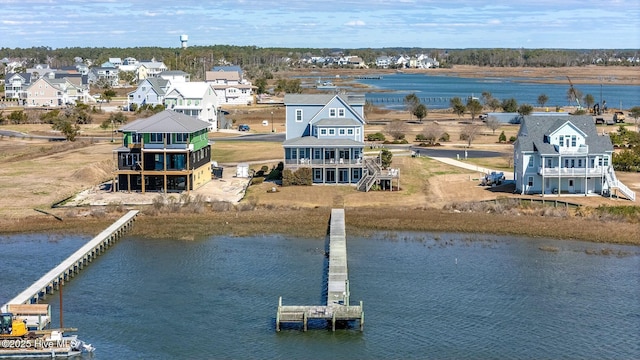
[325,85]
[17,340]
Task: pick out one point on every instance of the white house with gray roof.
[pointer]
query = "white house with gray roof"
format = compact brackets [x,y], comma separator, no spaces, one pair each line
[197,99]
[564,155]
[149,92]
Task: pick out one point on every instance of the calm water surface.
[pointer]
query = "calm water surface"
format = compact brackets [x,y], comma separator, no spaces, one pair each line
[435,91]
[440,296]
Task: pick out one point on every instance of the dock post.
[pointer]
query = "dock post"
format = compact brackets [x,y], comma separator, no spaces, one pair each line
[304,321]
[278,314]
[333,322]
[361,316]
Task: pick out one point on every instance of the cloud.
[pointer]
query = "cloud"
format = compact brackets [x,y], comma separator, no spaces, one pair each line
[355,23]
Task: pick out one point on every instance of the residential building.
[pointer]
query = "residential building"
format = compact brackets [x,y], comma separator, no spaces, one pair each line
[15,85]
[175,76]
[230,86]
[147,69]
[197,99]
[167,152]
[43,92]
[109,75]
[325,133]
[564,155]
[149,92]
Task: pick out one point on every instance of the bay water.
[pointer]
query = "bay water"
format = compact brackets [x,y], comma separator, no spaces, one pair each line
[426,295]
[435,91]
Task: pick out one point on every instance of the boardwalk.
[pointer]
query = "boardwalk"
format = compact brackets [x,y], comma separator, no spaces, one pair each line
[52,280]
[337,307]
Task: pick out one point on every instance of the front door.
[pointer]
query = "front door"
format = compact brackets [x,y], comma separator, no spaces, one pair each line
[330,176]
[571,186]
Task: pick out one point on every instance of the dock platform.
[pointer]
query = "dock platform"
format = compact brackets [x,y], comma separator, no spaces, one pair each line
[337,306]
[52,280]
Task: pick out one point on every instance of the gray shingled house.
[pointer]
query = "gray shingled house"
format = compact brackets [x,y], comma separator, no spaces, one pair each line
[564,155]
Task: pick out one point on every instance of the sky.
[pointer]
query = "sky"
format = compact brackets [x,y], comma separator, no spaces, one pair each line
[349,24]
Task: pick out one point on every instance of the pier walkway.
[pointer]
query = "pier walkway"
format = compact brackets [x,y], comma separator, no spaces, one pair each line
[338,307]
[52,280]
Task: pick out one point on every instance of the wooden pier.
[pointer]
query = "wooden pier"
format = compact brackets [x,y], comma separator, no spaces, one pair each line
[52,280]
[338,307]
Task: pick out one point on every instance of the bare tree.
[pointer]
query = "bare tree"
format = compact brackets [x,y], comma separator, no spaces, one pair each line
[431,133]
[396,129]
[492,123]
[469,133]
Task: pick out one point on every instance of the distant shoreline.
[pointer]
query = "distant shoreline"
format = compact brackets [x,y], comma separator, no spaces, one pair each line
[591,74]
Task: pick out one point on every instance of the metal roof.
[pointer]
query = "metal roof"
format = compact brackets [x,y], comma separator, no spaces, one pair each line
[166,122]
[337,122]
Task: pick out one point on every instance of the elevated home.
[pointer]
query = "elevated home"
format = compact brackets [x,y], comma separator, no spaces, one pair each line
[15,85]
[167,152]
[197,99]
[325,133]
[43,92]
[230,86]
[564,155]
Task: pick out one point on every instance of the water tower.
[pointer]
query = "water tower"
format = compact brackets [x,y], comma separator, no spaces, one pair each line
[183,40]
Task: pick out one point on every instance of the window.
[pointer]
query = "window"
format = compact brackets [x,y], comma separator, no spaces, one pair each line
[530,161]
[136,138]
[580,163]
[349,131]
[549,162]
[294,153]
[156,137]
[332,112]
[316,154]
[182,138]
[606,161]
[341,131]
[323,131]
[573,141]
[332,131]
[561,140]
[298,115]
[341,113]
[530,181]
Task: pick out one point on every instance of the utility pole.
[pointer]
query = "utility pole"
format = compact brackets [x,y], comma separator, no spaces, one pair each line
[272,129]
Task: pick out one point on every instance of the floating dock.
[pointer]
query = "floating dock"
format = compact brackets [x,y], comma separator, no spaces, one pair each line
[337,307]
[52,280]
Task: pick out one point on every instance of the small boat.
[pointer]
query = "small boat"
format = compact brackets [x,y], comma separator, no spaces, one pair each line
[325,85]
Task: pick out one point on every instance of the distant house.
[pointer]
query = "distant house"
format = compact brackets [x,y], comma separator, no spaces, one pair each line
[149,92]
[230,86]
[15,85]
[175,76]
[196,99]
[43,92]
[147,69]
[564,155]
[109,75]
[167,152]
[325,133]
[383,61]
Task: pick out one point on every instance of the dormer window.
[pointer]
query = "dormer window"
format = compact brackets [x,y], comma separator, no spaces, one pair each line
[332,112]
[341,113]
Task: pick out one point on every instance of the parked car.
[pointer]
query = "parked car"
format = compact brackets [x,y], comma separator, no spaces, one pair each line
[244,127]
[618,117]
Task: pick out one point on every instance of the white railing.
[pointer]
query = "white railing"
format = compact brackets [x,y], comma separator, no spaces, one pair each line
[323,161]
[554,171]
[582,149]
[613,182]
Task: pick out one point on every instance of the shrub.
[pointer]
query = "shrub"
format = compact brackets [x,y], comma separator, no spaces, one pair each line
[513,139]
[302,176]
[376,137]
[502,138]
[421,137]
[257,180]
[445,137]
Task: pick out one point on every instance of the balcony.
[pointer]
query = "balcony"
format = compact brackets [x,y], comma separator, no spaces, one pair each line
[324,162]
[572,172]
[580,150]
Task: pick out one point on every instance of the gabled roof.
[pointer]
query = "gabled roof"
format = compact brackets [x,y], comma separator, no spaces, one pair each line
[166,122]
[173,73]
[228,68]
[222,75]
[190,90]
[25,76]
[534,129]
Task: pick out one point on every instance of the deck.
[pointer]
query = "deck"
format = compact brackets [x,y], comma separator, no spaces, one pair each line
[337,306]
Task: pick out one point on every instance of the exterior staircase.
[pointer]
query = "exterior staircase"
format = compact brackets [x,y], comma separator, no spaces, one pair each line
[370,175]
[614,183]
